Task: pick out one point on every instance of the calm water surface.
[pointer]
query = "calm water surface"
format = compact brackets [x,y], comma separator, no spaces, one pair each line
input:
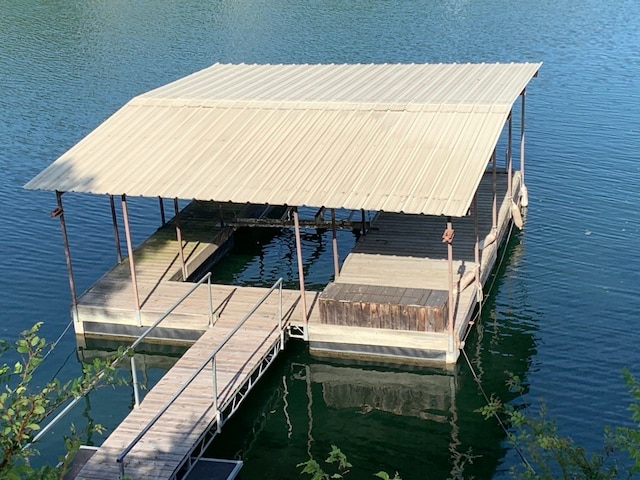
[563,313]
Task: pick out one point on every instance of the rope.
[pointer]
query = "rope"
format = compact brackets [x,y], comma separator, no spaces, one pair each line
[495,414]
[477,379]
[55,344]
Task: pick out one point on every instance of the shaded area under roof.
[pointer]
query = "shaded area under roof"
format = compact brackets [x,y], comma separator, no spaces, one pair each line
[399,138]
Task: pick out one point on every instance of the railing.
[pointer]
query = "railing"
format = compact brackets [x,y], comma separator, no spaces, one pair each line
[169,311]
[210,360]
[128,352]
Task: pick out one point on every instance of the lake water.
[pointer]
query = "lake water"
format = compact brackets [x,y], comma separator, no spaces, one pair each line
[563,313]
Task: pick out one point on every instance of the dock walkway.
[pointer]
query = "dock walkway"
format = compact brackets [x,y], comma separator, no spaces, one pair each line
[182,432]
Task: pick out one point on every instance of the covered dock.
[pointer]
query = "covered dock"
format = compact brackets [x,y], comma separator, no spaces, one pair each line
[415,144]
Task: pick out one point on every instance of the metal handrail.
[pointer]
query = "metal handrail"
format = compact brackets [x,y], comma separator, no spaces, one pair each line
[212,358]
[169,311]
[127,352]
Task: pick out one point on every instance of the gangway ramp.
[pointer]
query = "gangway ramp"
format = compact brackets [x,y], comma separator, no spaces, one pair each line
[178,418]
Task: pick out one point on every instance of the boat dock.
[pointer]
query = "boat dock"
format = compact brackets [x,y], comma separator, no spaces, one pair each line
[418,147]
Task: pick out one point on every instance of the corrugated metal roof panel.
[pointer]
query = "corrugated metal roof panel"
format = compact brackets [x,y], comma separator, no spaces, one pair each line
[406,138]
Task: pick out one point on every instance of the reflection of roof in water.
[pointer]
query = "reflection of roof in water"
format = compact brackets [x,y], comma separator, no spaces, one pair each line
[426,396]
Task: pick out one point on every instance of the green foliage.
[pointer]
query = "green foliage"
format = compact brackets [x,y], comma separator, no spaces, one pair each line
[629,438]
[23,406]
[548,455]
[340,467]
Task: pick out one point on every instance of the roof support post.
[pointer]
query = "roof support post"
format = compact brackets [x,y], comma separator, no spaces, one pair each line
[510,159]
[524,200]
[132,266]
[494,186]
[59,212]
[162,217]
[116,233]
[336,262]
[447,237]
[303,299]
[176,208]
[364,228]
[476,251]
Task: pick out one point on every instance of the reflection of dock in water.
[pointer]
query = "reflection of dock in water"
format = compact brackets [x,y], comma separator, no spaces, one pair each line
[428,397]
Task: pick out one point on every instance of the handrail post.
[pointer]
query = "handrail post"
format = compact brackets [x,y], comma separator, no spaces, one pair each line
[134,378]
[210,301]
[122,469]
[215,393]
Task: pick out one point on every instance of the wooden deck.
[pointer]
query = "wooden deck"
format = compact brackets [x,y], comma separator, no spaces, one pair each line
[108,307]
[407,252]
[161,453]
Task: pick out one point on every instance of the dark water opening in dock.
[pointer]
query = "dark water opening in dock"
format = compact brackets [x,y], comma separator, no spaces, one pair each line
[563,312]
[260,256]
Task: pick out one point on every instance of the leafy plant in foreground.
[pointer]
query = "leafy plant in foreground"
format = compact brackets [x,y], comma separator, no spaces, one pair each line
[546,454]
[24,406]
[340,466]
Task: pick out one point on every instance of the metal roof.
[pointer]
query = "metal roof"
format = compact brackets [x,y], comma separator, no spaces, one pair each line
[403,138]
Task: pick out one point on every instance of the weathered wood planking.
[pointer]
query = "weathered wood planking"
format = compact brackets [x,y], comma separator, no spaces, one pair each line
[168,442]
[414,309]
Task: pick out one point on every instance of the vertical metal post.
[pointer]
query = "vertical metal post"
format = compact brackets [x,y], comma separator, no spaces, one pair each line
[524,94]
[303,299]
[476,249]
[176,208]
[336,261]
[450,326]
[280,316]
[364,228]
[210,301]
[116,234]
[495,193]
[510,160]
[132,266]
[134,377]
[162,217]
[524,194]
[67,254]
[215,394]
